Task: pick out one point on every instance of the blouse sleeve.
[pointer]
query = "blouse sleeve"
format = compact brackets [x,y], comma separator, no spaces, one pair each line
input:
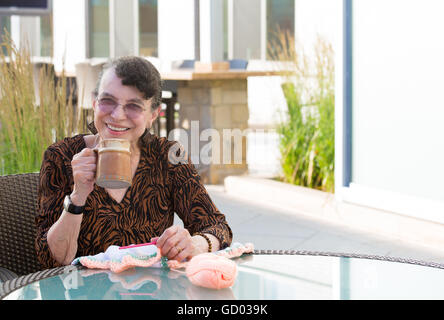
[51,191]
[193,204]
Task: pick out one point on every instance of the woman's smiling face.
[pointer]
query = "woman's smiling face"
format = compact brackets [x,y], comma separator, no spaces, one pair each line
[124,120]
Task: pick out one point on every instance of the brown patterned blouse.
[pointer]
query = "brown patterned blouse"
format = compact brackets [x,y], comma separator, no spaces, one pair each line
[159,189]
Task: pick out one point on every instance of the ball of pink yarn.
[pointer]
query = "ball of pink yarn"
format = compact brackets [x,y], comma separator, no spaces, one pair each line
[211,271]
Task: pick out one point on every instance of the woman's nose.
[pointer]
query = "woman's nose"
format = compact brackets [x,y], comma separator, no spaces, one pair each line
[118,112]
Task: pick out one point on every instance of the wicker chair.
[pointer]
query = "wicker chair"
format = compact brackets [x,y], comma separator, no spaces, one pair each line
[18,204]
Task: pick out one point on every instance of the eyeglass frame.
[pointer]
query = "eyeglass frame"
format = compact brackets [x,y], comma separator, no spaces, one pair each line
[125,110]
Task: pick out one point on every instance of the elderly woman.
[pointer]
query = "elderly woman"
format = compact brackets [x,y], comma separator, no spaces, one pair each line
[76,217]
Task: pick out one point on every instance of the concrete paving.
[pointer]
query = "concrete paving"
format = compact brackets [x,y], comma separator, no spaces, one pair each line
[270,228]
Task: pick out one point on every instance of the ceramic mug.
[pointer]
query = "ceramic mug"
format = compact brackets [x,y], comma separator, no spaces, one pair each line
[113,164]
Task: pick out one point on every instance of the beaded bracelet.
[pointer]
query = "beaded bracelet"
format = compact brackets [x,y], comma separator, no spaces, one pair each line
[210,247]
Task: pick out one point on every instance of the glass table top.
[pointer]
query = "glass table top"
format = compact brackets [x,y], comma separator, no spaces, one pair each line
[259,277]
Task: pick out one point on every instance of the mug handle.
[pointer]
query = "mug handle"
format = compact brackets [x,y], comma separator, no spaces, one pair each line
[96,152]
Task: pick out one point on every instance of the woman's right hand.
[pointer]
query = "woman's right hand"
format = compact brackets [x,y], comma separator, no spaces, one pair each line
[84,173]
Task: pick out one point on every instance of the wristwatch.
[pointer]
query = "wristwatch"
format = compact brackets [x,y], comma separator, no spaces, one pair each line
[72,208]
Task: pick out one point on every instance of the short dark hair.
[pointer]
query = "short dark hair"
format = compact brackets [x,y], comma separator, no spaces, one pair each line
[138,72]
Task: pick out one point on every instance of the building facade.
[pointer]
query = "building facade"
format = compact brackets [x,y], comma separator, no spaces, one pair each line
[169,29]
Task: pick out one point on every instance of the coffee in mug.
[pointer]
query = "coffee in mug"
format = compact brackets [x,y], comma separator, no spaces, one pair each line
[113,164]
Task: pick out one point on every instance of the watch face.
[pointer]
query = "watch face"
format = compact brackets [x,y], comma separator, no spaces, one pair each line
[66,203]
[70,207]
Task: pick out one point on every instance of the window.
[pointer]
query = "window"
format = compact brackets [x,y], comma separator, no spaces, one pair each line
[148,28]
[225,28]
[5,26]
[99,28]
[280,19]
[46,35]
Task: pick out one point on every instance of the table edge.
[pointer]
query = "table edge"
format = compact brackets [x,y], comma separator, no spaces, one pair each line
[9,286]
[352,255]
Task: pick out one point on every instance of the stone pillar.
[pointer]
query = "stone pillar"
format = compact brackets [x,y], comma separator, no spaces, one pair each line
[214,113]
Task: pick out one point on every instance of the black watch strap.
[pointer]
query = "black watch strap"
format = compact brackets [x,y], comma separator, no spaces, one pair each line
[72,208]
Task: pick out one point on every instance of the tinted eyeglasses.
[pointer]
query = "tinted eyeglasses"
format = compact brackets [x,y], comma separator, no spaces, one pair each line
[108,104]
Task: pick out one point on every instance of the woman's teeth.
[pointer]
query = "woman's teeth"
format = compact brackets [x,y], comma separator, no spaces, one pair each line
[116,128]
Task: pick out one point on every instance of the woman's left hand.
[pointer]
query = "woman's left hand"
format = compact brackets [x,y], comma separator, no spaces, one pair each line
[176,243]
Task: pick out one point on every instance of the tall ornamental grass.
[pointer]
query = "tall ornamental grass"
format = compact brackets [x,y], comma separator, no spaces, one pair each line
[30,122]
[307,128]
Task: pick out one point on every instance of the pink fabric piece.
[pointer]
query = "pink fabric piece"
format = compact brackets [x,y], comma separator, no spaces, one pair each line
[236,250]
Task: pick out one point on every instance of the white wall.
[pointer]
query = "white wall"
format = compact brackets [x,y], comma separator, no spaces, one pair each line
[124,27]
[211,30]
[176,29]
[69,33]
[317,17]
[398,106]
[397,111]
[25,32]
[246,29]
[30,34]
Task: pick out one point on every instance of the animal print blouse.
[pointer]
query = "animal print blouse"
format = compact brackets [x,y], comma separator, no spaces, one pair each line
[160,187]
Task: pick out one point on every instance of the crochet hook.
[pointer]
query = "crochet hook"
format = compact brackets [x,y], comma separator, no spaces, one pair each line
[138,245]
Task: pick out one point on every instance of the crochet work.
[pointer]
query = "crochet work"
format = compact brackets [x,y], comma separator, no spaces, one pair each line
[118,260]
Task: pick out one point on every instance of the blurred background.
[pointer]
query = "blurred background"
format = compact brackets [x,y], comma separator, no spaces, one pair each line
[338,101]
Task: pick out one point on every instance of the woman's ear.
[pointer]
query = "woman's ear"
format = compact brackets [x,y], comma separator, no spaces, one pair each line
[154,114]
[94,100]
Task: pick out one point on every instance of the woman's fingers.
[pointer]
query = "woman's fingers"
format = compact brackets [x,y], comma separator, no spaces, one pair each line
[175,243]
[184,249]
[84,171]
[166,235]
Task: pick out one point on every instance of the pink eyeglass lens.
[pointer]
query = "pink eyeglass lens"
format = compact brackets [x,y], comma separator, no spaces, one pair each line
[132,110]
